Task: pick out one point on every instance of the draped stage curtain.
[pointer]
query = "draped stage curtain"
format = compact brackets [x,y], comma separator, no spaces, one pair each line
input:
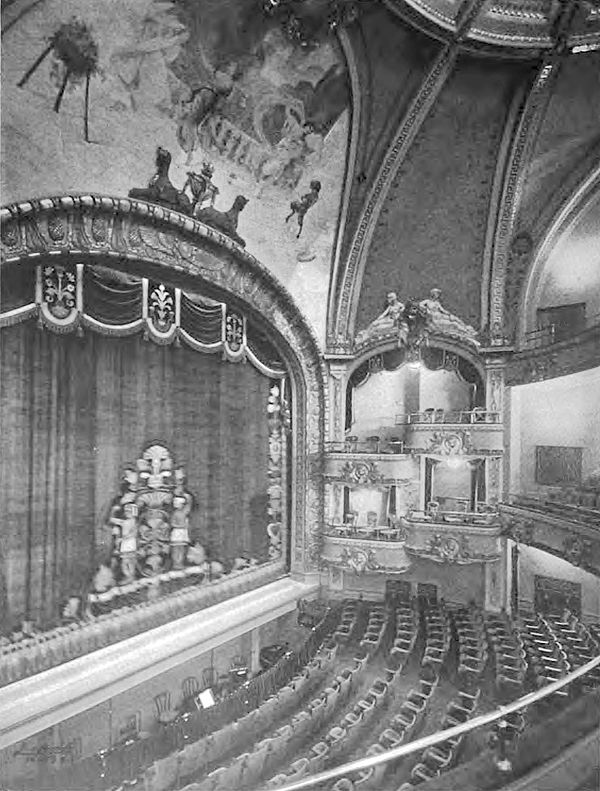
[75,410]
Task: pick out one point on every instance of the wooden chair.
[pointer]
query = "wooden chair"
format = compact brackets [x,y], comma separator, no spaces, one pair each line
[164,713]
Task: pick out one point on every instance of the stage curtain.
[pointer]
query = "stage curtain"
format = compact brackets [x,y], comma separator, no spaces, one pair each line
[74,410]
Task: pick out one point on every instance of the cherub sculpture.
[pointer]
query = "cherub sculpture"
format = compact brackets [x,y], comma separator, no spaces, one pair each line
[300,207]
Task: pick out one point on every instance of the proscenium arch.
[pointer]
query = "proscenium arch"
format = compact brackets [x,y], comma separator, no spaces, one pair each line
[152,241]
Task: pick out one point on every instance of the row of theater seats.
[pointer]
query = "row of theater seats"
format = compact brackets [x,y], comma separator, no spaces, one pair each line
[441,757]
[208,755]
[546,659]
[357,716]
[407,716]
[375,631]
[158,761]
[437,635]
[352,621]
[576,640]
[584,497]
[509,657]
[470,632]
[471,639]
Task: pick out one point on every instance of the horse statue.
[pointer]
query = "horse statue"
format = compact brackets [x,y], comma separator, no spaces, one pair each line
[160,189]
[226,222]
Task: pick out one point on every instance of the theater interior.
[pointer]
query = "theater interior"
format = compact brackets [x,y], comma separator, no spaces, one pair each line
[318,281]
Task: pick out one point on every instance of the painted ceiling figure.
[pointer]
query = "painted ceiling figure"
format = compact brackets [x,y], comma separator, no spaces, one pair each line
[203,102]
[300,207]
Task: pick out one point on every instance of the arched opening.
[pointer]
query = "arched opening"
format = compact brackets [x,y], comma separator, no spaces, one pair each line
[562,296]
[138,357]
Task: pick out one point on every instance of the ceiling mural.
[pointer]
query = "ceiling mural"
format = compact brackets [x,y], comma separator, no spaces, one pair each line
[92,90]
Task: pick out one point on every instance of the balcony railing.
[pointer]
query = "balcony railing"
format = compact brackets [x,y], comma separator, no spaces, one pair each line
[375,444]
[476,415]
[555,333]
[488,518]
[366,532]
[366,764]
[554,507]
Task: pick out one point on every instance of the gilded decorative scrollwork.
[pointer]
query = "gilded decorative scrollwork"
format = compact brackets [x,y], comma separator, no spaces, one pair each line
[361,473]
[450,443]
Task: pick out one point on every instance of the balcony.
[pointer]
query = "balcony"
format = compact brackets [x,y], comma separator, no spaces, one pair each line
[557,332]
[572,506]
[566,529]
[475,432]
[453,537]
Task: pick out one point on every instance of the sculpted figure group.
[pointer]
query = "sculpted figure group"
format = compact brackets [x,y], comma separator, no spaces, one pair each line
[414,319]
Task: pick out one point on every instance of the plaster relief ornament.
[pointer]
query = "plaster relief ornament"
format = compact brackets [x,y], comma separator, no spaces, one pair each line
[448,549]
[450,443]
[359,560]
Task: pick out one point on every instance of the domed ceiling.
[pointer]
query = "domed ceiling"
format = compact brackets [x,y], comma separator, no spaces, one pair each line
[378,144]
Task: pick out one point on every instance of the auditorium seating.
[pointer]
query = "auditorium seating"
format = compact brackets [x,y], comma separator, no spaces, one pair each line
[345,700]
[509,656]
[469,627]
[547,660]
[341,736]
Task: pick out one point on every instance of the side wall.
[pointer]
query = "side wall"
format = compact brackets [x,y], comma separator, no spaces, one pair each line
[562,412]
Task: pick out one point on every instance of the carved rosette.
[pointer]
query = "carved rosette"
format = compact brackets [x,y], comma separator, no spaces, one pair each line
[361,473]
[450,443]
[122,231]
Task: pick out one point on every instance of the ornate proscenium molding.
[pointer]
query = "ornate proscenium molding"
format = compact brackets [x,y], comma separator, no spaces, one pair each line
[143,239]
